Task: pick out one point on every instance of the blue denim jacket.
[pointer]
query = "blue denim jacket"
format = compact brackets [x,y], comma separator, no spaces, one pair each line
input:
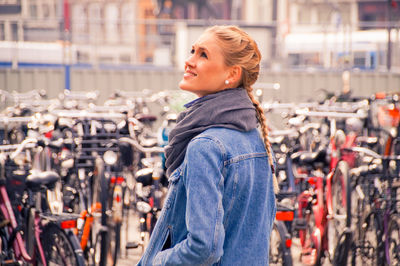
[220,206]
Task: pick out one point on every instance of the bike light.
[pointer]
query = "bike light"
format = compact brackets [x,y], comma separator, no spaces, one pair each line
[110,157]
[143,207]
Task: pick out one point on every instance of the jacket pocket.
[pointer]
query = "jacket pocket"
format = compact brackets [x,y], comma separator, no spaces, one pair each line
[167,242]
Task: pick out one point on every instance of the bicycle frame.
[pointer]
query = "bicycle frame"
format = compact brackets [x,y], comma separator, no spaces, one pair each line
[19,243]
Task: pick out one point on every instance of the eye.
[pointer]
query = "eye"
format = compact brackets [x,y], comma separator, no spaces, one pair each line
[192,51]
[203,54]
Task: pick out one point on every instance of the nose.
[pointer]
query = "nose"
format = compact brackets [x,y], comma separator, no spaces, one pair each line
[190,61]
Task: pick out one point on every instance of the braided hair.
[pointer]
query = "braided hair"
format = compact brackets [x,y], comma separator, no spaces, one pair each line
[240,49]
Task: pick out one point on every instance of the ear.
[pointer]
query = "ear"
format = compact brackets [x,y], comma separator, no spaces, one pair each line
[235,74]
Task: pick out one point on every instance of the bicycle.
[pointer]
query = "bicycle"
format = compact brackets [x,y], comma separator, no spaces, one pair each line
[29,235]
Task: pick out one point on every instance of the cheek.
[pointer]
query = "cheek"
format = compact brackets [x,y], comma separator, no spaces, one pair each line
[213,72]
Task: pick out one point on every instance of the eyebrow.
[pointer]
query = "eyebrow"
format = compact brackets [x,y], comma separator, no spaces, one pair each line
[201,48]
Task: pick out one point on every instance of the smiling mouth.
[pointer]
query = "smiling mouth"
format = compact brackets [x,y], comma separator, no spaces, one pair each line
[189,74]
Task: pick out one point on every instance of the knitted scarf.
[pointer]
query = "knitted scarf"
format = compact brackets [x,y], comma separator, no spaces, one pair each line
[231,108]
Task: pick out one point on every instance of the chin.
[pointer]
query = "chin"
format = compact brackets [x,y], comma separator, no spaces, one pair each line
[184,86]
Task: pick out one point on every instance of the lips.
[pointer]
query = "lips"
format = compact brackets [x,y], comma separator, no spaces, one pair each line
[189,73]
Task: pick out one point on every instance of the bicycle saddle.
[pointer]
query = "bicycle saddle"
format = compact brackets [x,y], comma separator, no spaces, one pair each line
[37,180]
[146,118]
[305,158]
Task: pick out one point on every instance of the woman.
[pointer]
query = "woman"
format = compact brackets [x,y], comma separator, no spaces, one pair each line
[221,203]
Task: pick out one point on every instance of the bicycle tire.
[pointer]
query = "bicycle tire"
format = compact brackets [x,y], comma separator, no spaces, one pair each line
[367,252]
[104,245]
[279,254]
[97,233]
[392,247]
[29,236]
[60,247]
[340,213]
[310,254]
[115,222]
[114,233]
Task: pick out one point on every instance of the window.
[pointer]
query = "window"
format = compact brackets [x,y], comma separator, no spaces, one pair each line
[2,34]
[33,10]
[111,25]
[46,11]
[14,31]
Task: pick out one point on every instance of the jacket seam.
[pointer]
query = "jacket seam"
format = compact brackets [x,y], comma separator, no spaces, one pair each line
[243,157]
[217,141]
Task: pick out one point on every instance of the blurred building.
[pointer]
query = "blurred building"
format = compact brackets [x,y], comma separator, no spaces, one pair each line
[340,34]
[129,32]
[29,20]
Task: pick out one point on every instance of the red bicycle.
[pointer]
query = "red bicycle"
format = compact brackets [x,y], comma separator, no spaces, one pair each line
[322,206]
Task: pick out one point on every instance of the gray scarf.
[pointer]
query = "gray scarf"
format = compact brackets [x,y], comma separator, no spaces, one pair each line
[231,108]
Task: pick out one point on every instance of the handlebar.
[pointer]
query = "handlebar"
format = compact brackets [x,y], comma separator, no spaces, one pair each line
[330,114]
[273,106]
[26,143]
[79,95]
[86,114]
[139,147]
[21,119]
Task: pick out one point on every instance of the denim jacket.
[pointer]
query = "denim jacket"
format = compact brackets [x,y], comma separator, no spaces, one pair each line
[220,205]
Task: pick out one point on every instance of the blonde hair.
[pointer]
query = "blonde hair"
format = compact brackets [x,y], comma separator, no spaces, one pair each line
[240,49]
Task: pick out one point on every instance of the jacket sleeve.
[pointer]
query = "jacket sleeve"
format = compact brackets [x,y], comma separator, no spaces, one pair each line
[204,184]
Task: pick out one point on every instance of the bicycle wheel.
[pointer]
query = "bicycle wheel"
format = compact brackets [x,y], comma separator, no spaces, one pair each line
[96,251]
[367,252]
[59,247]
[310,254]
[392,246]
[279,254]
[115,223]
[30,232]
[104,244]
[339,206]
[114,233]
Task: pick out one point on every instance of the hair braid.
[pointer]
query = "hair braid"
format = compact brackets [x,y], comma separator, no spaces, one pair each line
[264,128]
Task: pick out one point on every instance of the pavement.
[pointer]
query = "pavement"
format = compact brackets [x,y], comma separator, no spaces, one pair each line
[132,256]
[131,233]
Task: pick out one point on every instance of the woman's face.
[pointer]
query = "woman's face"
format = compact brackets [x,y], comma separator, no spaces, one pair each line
[205,70]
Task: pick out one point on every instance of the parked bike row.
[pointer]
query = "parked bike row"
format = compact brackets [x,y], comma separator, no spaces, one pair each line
[338,168]
[72,173]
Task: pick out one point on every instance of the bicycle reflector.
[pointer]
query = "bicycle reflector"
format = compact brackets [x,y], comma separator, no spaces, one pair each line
[288,242]
[68,224]
[284,215]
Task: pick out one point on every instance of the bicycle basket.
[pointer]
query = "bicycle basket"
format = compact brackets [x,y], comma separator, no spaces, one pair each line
[15,182]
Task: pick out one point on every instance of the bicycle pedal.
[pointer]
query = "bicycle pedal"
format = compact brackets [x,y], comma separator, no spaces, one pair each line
[4,223]
[132,245]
